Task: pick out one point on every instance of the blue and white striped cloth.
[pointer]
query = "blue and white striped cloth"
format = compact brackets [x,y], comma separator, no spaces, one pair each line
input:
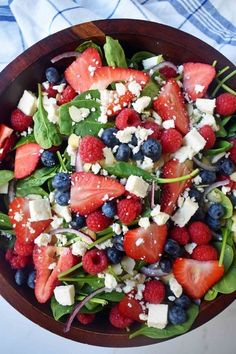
[24,22]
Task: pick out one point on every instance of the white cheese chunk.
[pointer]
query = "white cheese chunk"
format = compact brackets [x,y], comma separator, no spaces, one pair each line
[157,315]
[125,135]
[206,105]
[65,294]
[43,239]
[169,123]
[161,218]
[194,140]
[183,154]
[184,214]
[147,164]
[128,264]
[109,157]
[141,103]
[62,211]
[28,103]
[117,269]
[135,88]
[137,186]
[190,247]
[208,119]
[79,248]
[73,141]
[4,188]
[120,89]
[78,114]
[175,287]
[40,209]
[144,222]
[110,281]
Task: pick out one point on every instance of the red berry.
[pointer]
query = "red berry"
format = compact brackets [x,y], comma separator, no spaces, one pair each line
[230,184]
[130,307]
[117,320]
[50,91]
[168,72]
[23,249]
[9,254]
[199,232]
[154,292]
[94,261]
[130,195]
[155,128]
[171,140]
[233,151]
[85,318]
[91,149]
[16,261]
[67,95]
[20,121]
[97,221]
[205,253]
[180,235]
[128,210]
[128,117]
[208,134]
[226,104]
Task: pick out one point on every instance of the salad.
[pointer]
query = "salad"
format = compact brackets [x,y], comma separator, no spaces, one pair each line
[119,185]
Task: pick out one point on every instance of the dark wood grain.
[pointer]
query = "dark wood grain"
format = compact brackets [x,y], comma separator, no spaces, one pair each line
[24,73]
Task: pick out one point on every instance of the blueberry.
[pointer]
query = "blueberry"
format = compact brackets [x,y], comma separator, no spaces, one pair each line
[173,248]
[52,75]
[77,222]
[134,140]
[216,211]
[109,209]
[109,138]
[62,197]
[196,194]
[114,255]
[20,277]
[183,301]
[177,315]
[48,159]
[214,224]
[31,279]
[225,166]
[138,156]
[118,242]
[123,153]
[207,177]
[152,149]
[165,264]
[61,181]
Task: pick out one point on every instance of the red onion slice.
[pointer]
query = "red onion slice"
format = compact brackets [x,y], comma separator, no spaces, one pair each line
[84,237]
[153,195]
[162,65]
[78,162]
[215,185]
[65,55]
[204,166]
[152,272]
[79,306]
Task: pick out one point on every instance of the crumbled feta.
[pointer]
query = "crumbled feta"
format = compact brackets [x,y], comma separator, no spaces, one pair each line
[116,228]
[194,140]
[110,281]
[137,186]
[59,88]
[184,214]
[129,286]
[135,88]
[65,295]
[146,165]
[169,123]
[50,105]
[156,117]
[96,168]
[124,229]
[4,188]
[197,180]
[28,103]
[128,264]
[143,317]
[78,114]
[43,239]
[105,244]
[183,154]
[208,119]
[161,218]
[144,222]
[142,134]
[175,287]
[190,247]
[109,157]
[63,212]
[87,166]
[206,105]
[141,103]
[61,239]
[117,269]
[79,248]
[120,89]
[56,222]
[40,209]
[157,315]
[199,88]
[125,135]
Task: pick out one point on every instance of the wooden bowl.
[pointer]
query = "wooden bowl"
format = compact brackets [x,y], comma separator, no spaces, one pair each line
[24,73]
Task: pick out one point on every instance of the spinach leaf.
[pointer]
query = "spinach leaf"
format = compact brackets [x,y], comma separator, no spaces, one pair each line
[151,89]
[94,94]
[125,169]
[58,310]
[138,57]
[45,132]
[90,128]
[5,223]
[228,255]
[23,192]
[227,284]
[113,296]
[226,203]
[88,44]
[5,176]
[91,308]
[25,140]
[170,330]
[114,53]
[38,178]
[7,240]
[223,146]
[211,295]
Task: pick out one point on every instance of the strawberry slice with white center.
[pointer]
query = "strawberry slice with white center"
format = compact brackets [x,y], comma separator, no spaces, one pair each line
[146,244]
[19,214]
[80,74]
[170,105]
[7,140]
[58,258]
[171,191]
[196,79]
[197,277]
[89,191]
[27,159]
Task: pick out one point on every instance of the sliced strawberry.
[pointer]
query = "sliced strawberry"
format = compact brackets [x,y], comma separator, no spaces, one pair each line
[197,277]
[170,105]
[171,191]
[146,244]
[89,191]
[5,132]
[26,231]
[118,103]
[7,140]
[26,160]
[80,73]
[196,79]
[130,307]
[47,279]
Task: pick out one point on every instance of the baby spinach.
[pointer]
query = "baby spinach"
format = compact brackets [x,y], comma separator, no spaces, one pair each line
[88,44]
[25,140]
[113,296]
[228,254]
[5,223]
[88,95]
[125,169]
[90,128]
[23,192]
[114,53]
[7,240]
[151,89]
[222,146]
[45,132]
[226,203]
[227,284]
[138,57]
[211,295]
[170,330]
[37,179]
[58,310]
[5,176]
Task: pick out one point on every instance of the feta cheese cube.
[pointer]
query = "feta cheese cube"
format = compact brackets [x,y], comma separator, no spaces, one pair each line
[194,140]
[43,239]
[137,186]
[147,164]
[56,222]
[199,88]
[78,114]
[184,214]
[157,315]
[169,123]
[156,117]
[184,153]
[135,88]
[206,105]
[141,103]
[28,103]
[120,88]
[190,247]
[128,264]
[65,295]
[117,269]
[208,119]
[79,248]
[40,209]
[110,281]
[144,222]
[125,135]
[96,168]
[61,240]
[161,218]
[63,212]
[116,228]
[175,287]
[109,157]
[4,188]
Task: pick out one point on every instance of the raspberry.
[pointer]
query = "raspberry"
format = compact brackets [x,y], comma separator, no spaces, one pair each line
[67,95]
[97,221]
[19,121]
[16,261]
[117,320]
[154,292]
[199,232]
[23,249]
[130,307]
[233,151]
[205,253]
[168,72]
[127,118]
[91,149]
[226,104]
[130,195]
[155,128]
[128,210]
[180,235]
[50,91]
[9,255]
[94,261]
[208,134]
[171,140]
[85,318]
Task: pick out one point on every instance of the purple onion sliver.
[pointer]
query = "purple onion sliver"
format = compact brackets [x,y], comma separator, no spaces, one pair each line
[84,237]
[78,162]
[150,272]
[65,55]
[11,190]
[204,166]
[79,306]
[162,65]
[215,185]
[153,195]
